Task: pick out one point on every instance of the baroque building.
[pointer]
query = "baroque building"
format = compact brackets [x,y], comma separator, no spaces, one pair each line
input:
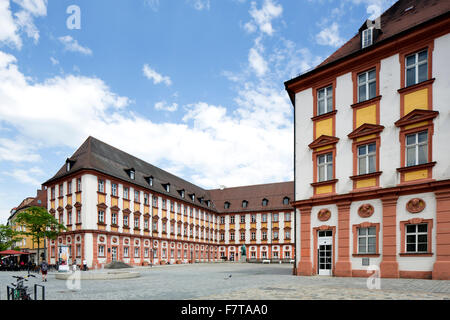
[117,207]
[372,132]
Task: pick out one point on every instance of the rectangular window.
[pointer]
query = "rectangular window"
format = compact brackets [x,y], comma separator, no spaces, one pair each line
[264,217]
[146,224]
[222,236]
[287,254]
[78,216]
[101,186]
[53,193]
[126,194]
[242,219]
[114,218]
[416,67]
[287,216]
[136,252]
[231,219]
[136,196]
[367,158]
[101,251]
[367,240]
[136,222]
[114,189]
[417,237]
[275,254]
[146,199]
[125,252]
[171,206]
[145,252]
[264,235]
[242,235]
[79,184]
[253,218]
[325,166]
[164,204]
[287,234]
[417,148]
[78,250]
[367,85]
[324,100]
[222,220]
[155,226]
[275,217]
[264,254]
[101,216]
[275,235]
[253,235]
[125,221]
[60,190]
[69,217]
[367,37]
[69,187]
[232,236]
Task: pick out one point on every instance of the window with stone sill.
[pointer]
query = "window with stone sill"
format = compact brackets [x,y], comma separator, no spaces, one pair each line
[416,148]
[416,66]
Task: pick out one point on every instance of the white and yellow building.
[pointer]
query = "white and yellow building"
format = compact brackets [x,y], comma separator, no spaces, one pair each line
[372,160]
[118,207]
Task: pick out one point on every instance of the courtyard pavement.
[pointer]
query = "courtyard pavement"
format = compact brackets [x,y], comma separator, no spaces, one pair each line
[233,281]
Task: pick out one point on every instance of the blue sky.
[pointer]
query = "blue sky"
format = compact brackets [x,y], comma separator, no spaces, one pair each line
[192,86]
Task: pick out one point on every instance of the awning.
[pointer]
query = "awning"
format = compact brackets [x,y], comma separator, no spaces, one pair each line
[12,252]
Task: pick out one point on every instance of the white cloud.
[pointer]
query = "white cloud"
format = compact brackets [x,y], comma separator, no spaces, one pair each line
[54,61]
[31,176]
[153,4]
[162,105]
[262,18]
[155,76]
[23,20]
[17,151]
[70,44]
[200,4]
[375,7]
[257,62]
[330,36]
[250,145]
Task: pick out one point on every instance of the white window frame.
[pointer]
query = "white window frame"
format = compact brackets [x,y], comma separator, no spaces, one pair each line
[101,216]
[416,233]
[416,146]
[367,37]
[367,236]
[327,108]
[325,164]
[416,67]
[366,83]
[367,156]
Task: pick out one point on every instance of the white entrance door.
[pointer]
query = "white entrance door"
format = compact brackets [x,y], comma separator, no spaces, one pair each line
[325,252]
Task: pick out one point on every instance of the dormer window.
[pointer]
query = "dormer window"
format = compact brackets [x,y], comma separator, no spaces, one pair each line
[149,180]
[265,202]
[131,173]
[201,200]
[69,164]
[367,37]
[226,205]
[192,196]
[244,204]
[167,187]
[208,203]
[285,200]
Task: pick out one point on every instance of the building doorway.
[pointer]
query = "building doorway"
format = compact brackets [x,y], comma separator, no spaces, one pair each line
[325,252]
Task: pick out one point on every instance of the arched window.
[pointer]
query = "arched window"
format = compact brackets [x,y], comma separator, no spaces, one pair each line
[244,204]
[285,200]
[265,202]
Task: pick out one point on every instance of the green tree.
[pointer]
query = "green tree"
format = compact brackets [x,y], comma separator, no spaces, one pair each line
[39,225]
[7,237]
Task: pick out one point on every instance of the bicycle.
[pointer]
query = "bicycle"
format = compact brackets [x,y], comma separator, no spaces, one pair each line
[21,291]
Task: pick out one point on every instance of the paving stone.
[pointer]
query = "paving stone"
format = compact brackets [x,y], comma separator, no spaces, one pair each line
[247,282]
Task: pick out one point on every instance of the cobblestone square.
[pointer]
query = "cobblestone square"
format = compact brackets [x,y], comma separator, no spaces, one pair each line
[234,281]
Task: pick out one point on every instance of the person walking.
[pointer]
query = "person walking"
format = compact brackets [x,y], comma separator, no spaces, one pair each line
[44,269]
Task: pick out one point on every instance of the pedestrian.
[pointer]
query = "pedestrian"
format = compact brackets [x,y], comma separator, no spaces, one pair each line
[84,265]
[44,268]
